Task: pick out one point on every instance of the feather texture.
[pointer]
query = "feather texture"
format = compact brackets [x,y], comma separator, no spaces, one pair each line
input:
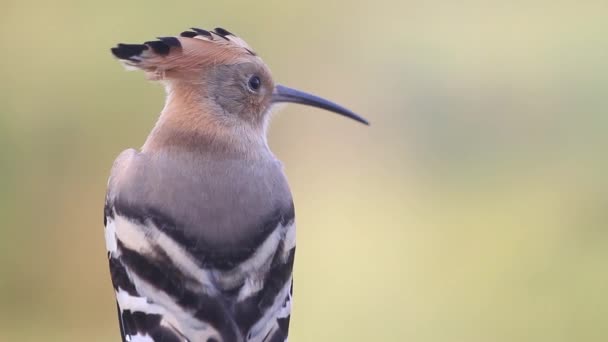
[199,224]
[163,290]
[206,254]
[174,57]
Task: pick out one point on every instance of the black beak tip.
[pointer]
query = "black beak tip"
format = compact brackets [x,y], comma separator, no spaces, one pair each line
[286,94]
[365,122]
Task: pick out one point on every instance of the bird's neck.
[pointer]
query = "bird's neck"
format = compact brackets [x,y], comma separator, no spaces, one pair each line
[187,123]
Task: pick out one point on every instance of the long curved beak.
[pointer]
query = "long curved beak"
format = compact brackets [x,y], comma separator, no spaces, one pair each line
[286,94]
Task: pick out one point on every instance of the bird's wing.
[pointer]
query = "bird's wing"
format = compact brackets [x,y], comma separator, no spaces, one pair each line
[171,287]
[139,319]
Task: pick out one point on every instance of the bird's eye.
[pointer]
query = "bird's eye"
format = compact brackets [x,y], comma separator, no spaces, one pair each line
[254,83]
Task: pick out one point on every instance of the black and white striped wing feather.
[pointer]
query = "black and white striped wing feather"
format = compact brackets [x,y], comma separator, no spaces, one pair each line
[170,291]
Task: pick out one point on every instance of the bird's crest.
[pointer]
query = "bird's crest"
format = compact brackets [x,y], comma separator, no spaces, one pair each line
[176,57]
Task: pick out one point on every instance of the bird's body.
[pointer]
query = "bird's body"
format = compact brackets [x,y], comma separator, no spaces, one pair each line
[201,253]
[199,224]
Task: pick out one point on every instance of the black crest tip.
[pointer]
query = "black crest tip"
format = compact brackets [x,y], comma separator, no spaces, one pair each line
[222,32]
[126,51]
[202,32]
[171,41]
[188,34]
[159,47]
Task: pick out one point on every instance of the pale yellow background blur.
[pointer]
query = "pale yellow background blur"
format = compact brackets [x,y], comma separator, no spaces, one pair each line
[474,208]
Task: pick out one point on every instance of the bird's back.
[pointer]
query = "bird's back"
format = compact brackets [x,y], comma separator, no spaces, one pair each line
[200,247]
[200,224]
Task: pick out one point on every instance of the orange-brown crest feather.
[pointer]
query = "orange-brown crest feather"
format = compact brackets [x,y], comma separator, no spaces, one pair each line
[181,57]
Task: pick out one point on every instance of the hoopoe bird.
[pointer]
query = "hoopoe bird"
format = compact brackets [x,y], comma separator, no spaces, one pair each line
[199,224]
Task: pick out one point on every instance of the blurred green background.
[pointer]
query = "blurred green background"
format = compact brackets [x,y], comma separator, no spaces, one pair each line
[475,208]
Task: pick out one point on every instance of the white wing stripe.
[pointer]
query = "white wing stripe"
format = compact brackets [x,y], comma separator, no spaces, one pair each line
[139,338]
[129,302]
[139,238]
[147,239]
[110,234]
[264,325]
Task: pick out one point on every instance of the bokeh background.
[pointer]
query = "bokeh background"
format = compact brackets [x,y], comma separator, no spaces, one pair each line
[474,208]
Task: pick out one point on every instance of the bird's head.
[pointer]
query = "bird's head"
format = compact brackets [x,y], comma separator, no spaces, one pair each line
[217,74]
